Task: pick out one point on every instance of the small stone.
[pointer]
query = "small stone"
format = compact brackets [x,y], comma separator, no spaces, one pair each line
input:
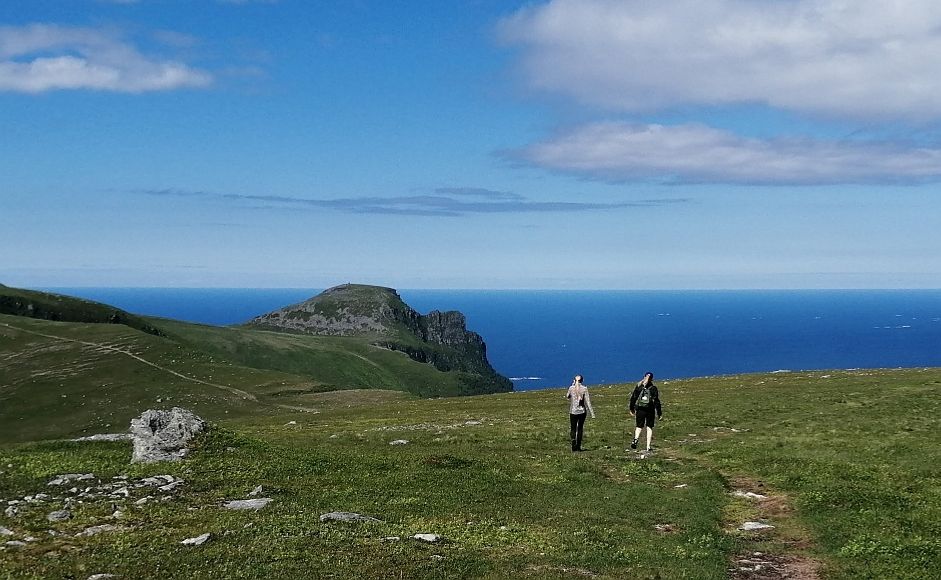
[290,423]
[257,491]
[11,511]
[430,538]
[15,544]
[197,541]
[6,532]
[399,442]
[142,500]
[171,486]
[749,495]
[94,530]
[59,516]
[247,504]
[391,539]
[334,436]
[754,526]
[63,479]
[472,423]
[101,576]
[30,539]
[346,517]
[680,486]
[124,492]
[437,557]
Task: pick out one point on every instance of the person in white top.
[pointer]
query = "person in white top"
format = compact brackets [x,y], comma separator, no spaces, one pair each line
[579,407]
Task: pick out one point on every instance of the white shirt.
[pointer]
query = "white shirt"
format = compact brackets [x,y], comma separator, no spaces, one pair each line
[575,395]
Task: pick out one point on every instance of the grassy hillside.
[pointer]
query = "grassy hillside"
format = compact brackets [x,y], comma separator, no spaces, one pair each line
[62,379]
[847,462]
[57,307]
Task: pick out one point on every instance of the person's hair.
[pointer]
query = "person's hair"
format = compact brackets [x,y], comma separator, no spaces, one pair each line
[648,374]
[578,378]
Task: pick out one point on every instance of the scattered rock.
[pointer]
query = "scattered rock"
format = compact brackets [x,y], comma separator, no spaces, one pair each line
[163,435]
[94,530]
[430,538]
[6,532]
[257,491]
[142,500]
[101,576]
[754,526]
[680,486]
[391,539]
[472,423]
[664,528]
[171,486]
[346,517]
[63,479]
[399,442]
[59,516]
[15,544]
[290,423]
[11,511]
[437,557]
[248,504]
[197,541]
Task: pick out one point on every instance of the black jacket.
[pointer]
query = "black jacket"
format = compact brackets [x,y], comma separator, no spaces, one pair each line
[654,395]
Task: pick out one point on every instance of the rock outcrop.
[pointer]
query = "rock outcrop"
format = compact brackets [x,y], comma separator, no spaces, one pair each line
[437,338]
[164,435]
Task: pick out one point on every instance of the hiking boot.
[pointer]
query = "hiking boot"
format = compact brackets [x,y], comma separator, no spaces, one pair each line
[634,444]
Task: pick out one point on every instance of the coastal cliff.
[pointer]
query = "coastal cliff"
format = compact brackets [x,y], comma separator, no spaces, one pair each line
[379,314]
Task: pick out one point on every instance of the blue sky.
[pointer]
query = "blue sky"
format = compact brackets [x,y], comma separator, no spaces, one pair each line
[480,144]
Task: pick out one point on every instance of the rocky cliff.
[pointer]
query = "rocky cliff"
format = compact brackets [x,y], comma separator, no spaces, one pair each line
[380,314]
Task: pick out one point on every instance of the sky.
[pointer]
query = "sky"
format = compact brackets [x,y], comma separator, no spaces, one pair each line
[493,144]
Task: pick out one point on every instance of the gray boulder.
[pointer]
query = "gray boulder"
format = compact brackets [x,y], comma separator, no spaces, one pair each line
[164,435]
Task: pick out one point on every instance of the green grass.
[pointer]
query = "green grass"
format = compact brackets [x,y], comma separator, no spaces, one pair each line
[849,458]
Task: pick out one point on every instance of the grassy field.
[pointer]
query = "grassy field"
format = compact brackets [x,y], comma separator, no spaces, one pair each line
[847,461]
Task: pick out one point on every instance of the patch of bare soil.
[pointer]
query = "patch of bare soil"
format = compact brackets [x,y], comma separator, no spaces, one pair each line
[762,566]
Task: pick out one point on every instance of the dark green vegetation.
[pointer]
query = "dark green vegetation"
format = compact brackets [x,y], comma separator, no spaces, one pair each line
[46,306]
[848,460]
[69,367]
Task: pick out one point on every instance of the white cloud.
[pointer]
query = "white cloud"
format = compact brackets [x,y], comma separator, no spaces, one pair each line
[847,58]
[696,153]
[43,57]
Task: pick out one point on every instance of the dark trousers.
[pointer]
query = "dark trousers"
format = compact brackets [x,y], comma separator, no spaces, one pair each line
[578,423]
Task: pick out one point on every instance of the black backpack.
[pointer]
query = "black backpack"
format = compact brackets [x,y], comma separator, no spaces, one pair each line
[645,398]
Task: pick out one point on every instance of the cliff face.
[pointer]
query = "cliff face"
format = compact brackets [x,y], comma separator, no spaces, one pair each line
[438,338]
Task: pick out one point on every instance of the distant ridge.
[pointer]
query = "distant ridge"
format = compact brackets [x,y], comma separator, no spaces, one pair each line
[379,314]
[60,308]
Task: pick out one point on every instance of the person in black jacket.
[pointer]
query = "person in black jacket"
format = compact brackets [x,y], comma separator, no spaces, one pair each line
[645,407]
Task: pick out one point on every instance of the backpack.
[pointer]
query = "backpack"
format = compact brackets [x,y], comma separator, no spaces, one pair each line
[645,398]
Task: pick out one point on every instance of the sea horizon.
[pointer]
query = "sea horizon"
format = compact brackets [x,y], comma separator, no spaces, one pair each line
[541,338]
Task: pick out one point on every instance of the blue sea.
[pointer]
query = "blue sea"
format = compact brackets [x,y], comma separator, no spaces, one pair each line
[542,338]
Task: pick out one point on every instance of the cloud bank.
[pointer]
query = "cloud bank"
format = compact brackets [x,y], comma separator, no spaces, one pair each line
[696,153]
[444,202]
[849,59]
[46,57]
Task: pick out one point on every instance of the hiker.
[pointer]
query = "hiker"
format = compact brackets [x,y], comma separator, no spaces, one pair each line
[645,402]
[579,402]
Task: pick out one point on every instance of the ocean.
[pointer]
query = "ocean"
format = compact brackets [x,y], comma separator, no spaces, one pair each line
[541,339]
